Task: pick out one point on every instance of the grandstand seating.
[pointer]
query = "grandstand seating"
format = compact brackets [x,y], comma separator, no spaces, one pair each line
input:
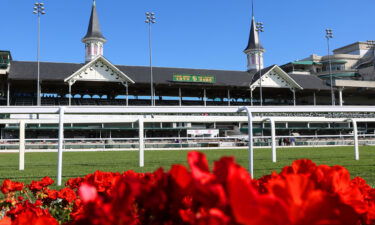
[24,101]
[52,101]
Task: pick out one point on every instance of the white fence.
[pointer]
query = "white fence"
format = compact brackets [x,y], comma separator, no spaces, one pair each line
[141,115]
[181,143]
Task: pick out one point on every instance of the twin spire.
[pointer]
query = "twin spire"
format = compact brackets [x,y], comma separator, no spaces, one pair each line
[254,42]
[93,30]
[94,39]
[254,49]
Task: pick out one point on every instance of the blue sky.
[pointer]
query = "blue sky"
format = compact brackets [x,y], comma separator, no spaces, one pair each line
[190,34]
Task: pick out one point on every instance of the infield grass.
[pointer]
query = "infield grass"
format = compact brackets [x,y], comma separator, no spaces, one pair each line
[77,164]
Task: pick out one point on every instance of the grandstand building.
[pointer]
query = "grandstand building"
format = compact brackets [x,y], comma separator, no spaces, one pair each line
[98,82]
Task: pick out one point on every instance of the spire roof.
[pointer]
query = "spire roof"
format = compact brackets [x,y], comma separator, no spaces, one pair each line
[254,42]
[93,31]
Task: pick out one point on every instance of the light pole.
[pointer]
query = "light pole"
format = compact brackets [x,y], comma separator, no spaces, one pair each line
[329,35]
[38,10]
[259,29]
[150,19]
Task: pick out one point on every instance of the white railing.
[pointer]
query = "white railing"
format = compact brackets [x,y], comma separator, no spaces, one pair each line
[176,143]
[140,115]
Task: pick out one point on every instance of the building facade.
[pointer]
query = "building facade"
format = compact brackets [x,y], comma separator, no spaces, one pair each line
[98,82]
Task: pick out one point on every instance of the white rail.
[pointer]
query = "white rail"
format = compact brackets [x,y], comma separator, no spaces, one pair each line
[146,114]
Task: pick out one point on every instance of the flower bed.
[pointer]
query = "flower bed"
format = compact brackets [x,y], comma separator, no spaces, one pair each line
[302,193]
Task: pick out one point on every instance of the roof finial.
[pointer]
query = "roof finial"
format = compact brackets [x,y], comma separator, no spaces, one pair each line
[252,7]
[93,2]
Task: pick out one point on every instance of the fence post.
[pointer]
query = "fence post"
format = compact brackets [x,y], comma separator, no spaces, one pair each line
[250,136]
[273,140]
[60,146]
[22,146]
[141,142]
[356,148]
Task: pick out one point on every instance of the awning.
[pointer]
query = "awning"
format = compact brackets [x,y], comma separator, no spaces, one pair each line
[305,62]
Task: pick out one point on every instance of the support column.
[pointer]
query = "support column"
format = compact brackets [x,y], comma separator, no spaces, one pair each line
[154,97]
[127,93]
[294,96]
[22,146]
[60,146]
[141,142]
[70,94]
[340,96]
[180,97]
[8,94]
[40,94]
[228,97]
[204,97]
[251,96]
[314,98]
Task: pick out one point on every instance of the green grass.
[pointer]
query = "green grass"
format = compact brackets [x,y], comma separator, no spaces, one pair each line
[39,165]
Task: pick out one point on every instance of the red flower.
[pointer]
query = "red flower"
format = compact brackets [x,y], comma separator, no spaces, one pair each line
[39,185]
[103,181]
[199,167]
[87,193]
[250,207]
[29,217]
[52,194]
[302,194]
[74,183]
[67,194]
[10,186]
[6,221]
[181,176]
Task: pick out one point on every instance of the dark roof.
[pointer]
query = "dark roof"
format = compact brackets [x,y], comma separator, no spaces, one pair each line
[164,75]
[140,74]
[93,30]
[256,74]
[254,42]
[50,71]
[310,82]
